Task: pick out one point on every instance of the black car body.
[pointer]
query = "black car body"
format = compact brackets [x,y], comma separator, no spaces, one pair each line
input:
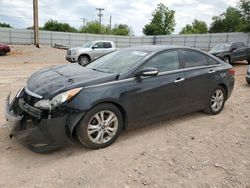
[231,52]
[162,82]
[4,49]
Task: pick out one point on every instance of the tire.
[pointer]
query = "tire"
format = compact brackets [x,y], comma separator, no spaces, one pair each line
[2,53]
[248,61]
[83,60]
[93,133]
[216,101]
[227,60]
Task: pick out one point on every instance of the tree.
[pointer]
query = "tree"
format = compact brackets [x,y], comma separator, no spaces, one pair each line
[163,21]
[93,27]
[244,8]
[121,29]
[54,25]
[197,27]
[229,21]
[5,25]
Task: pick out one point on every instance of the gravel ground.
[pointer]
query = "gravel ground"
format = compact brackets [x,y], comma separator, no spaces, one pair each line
[195,150]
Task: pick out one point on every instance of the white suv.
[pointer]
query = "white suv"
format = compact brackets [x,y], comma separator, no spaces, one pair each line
[89,51]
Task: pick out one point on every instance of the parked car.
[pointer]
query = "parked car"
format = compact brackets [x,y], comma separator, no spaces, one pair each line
[4,49]
[231,52]
[121,90]
[248,75]
[89,51]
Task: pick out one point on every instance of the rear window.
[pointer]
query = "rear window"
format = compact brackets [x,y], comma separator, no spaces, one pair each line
[107,45]
[193,59]
[240,44]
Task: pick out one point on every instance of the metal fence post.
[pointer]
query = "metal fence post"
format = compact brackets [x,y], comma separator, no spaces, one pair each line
[227,37]
[129,40]
[51,38]
[210,38]
[116,41]
[185,40]
[195,39]
[10,36]
[248,39]
[141,40]
[69,38]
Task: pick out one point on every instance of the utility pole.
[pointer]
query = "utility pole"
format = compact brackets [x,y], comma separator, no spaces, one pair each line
[100,15]
[84,21]
[36,28]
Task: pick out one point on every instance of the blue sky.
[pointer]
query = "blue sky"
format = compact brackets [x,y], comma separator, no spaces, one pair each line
[136,14]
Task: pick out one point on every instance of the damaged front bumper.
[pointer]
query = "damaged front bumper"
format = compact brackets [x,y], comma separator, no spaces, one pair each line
[27,124]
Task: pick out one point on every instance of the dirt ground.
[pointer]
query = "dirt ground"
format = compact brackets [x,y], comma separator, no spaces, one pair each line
[195,150]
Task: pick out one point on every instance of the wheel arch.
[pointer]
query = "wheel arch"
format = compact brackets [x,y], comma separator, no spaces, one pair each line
[72,130]
[84,54]
[225,88]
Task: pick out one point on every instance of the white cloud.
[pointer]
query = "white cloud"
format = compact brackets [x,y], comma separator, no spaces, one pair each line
[133,13]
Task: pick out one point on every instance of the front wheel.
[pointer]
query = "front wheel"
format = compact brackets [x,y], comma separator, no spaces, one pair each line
[83,60]
[100,126]
[216,101]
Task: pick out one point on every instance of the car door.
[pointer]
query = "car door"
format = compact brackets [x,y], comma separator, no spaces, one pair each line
[242,51]
[235,52]
[162,94]
[200,76]
[98,49]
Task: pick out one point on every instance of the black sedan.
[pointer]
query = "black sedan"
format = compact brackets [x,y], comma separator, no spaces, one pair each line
[118,91]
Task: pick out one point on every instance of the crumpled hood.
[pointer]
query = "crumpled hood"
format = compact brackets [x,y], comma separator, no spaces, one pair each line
[51,81]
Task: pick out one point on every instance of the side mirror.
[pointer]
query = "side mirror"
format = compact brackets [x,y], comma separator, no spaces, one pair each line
[95,46]
[147,71]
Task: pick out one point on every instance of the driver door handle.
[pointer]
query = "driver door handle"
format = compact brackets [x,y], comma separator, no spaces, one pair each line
[211,71]
[179,80]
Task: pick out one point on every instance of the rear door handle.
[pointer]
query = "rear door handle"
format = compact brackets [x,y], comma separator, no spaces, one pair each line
[179,80]
[211,71]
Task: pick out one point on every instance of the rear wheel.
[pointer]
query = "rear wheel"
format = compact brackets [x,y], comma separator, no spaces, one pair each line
[216,101]
[83,60]
[227,60]
[100,126]
[2,53]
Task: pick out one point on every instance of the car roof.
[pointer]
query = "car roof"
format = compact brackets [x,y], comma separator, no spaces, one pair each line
[157,48]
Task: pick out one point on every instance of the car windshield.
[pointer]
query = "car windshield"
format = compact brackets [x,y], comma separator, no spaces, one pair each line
[88,44]
[221,47]
[118,62]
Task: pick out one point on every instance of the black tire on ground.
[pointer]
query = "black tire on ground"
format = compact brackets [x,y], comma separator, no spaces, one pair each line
[89,127]
[248,81]
[227,60]
[248,61]
[2,53]
[218,96]
[83,60]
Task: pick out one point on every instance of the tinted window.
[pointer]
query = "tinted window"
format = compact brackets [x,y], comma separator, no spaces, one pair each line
[107,45]
[234,46]
[211,61]
[193,59]
[165,61]
[240,45]
[99,44]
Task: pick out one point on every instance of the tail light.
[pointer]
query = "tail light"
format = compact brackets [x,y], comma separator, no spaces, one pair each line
[231,71]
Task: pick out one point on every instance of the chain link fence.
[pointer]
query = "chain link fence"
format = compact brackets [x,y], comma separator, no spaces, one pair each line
[201,41]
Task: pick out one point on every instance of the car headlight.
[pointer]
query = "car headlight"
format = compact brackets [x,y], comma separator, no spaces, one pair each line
[57,100]
[73,52]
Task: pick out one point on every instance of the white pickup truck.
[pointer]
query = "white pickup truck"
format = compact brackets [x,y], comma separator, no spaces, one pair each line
[89,51]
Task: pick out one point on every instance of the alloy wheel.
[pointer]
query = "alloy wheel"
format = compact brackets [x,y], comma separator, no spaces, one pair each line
[102,127]
[217,100]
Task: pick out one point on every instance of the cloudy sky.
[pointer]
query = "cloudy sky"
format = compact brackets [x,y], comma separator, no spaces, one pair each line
[136,14]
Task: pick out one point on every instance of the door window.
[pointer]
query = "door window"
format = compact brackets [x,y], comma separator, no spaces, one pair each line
[193,59]
[99,44]
[165,61]
[107,45]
